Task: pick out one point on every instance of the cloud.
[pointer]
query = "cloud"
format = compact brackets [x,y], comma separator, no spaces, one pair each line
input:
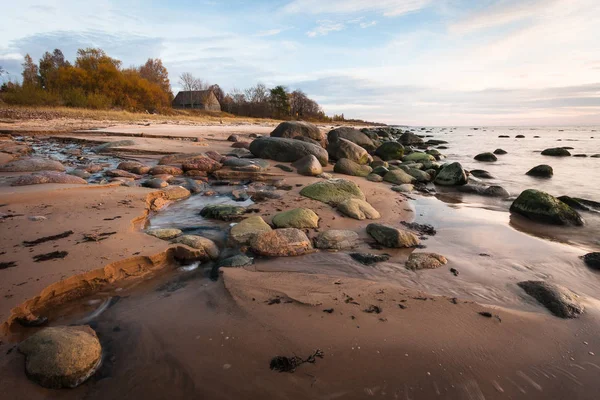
[270,32]
[368,24]
[324,27]
[389,8]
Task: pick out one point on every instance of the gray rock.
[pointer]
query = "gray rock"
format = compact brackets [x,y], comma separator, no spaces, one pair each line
[358,209]
[592,260]
[291,129]
[336,240]
[451,175]
[353,135]
[409,138]
[286,150]
[541,171]
[342,148]
[349,167]
[559,300]
[223,212]
[486,157]
[556,152]
[308,166]
[480,173]
[392,237]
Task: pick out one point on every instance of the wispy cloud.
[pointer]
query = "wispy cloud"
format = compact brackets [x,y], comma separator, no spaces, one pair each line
[325,27]
[368,24]
[389,8]
[270,32]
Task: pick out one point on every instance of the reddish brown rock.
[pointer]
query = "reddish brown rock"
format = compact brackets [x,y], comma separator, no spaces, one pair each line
[47,177]
[165,169]
[205,164]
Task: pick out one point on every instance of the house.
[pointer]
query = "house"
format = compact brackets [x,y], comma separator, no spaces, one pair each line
[198,99]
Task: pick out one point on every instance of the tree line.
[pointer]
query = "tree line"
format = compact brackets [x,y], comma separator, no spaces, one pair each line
[98,81]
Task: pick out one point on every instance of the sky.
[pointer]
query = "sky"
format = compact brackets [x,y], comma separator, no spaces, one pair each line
[409,62]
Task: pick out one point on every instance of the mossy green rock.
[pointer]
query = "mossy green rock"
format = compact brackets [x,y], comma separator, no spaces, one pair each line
[390,151]
[398,177]
[420,176]
[244,231]
[333,191]
[374,178]
[349,167]
[224,212]
[542,207]
[358,209]
[392,237]
[300,218]
[379,163]
[451,175]
[381,171]
[417,156]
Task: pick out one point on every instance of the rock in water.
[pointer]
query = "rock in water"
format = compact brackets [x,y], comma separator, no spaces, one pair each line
[392,237]
[286,150]
[308,166]
[349,167]
[201,163]
[542,171]
[291,129]
[167,169]
[281,243]
[236,261]
[578,203]
[390,151]
[62,356]
[369,259]
[32,165]
[592,260]
[418,157]
[409,138]
[556,152]
[342,148]
[451,175]
[542,207]
[165,233]
[480,173]
[487,157]
[301,218]
[398,177]
[353,135]
[175,193]
[224,212]
[243,232]
[336,240]
[500,151]
[155,183]
[358,209]
[333,191]
[210,249]
[559,300]
[418,261]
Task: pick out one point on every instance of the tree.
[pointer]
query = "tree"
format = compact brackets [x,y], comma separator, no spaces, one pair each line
[30,72]
[189,84]
[219,93]
[279,102]
[155,72]
[303,107]
[49,65]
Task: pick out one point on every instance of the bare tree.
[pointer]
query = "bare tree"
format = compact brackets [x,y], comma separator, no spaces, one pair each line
[189,83]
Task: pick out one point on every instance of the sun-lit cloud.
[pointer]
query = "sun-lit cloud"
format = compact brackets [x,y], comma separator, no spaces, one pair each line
[388,8]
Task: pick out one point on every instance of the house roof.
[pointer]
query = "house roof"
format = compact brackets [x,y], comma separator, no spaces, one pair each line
[192,96]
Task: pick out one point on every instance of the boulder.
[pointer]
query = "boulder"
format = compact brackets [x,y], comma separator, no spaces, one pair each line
[118,173]
[559,300]
[343,148]
[409,138]
[210,251]
[237,261]
[420,176]
[398,177]
[374,178]
[542,207]
[390,151]
[480,173]
[308,140]
[418,157]
[417,261]
[233,138]
[223,212]
[556,152]
[175,192]
[135,167]
[80,173]
[32,165]
[451,175]
[486,157]
[499,152]
[308,166]
[336,240]
[353,135]
[61,356]
[541,171]
[281,243]
[201,163]
[47,177]
[578,203]
[381,170]
[349,167]
[300,218]
[592,260]
[166,169]
[392,237]
[404,188]
[286,150]
[333,191]
[164,233]
[358,209]
[243,232]
[181,158]
[291,129]
[155,183]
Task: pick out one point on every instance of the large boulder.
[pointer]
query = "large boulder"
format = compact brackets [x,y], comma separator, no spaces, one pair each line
[333,191]
[201,163]
[210,251]
[559,300]
[541,171]
[417,261]
[292,129]
[301,218]
[342,148]
[286,150]
[308,166]
[164,233]
[336,240]
[281,243]
[392,237]
[47,177]
[398,177]
[349,167]
[578,203]
[358,209]
[542,207]
[420,176]
[353,135]
[61,356]
[451,175]
[418,157]
[243,232]
[409,138]
[32,165]
[556,152]
[486,157]
[223,212]
[166,169]
[390,151]
[480,173]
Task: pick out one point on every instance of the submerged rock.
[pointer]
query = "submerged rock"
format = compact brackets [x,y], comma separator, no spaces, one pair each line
[451,175]
[542,171]
[491,191]
[390,151]
[358,209]
[336,240]
[308,166]
[556,152]
[243,232]
[559,300]
[281,243]
[480,173]
[349,167]
[542,207]
[301,218]
[500,151]
[592,260]
[223,212]
[237,261]
[165,233]
[61,356]
[333,191]
[342,148]
[392,237]
[209,248]
[109,145]
[487,157]
[291,129]
[417,261]
[31,165]
[368,258]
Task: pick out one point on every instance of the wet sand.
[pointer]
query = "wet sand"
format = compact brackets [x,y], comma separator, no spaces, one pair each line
[175,334]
